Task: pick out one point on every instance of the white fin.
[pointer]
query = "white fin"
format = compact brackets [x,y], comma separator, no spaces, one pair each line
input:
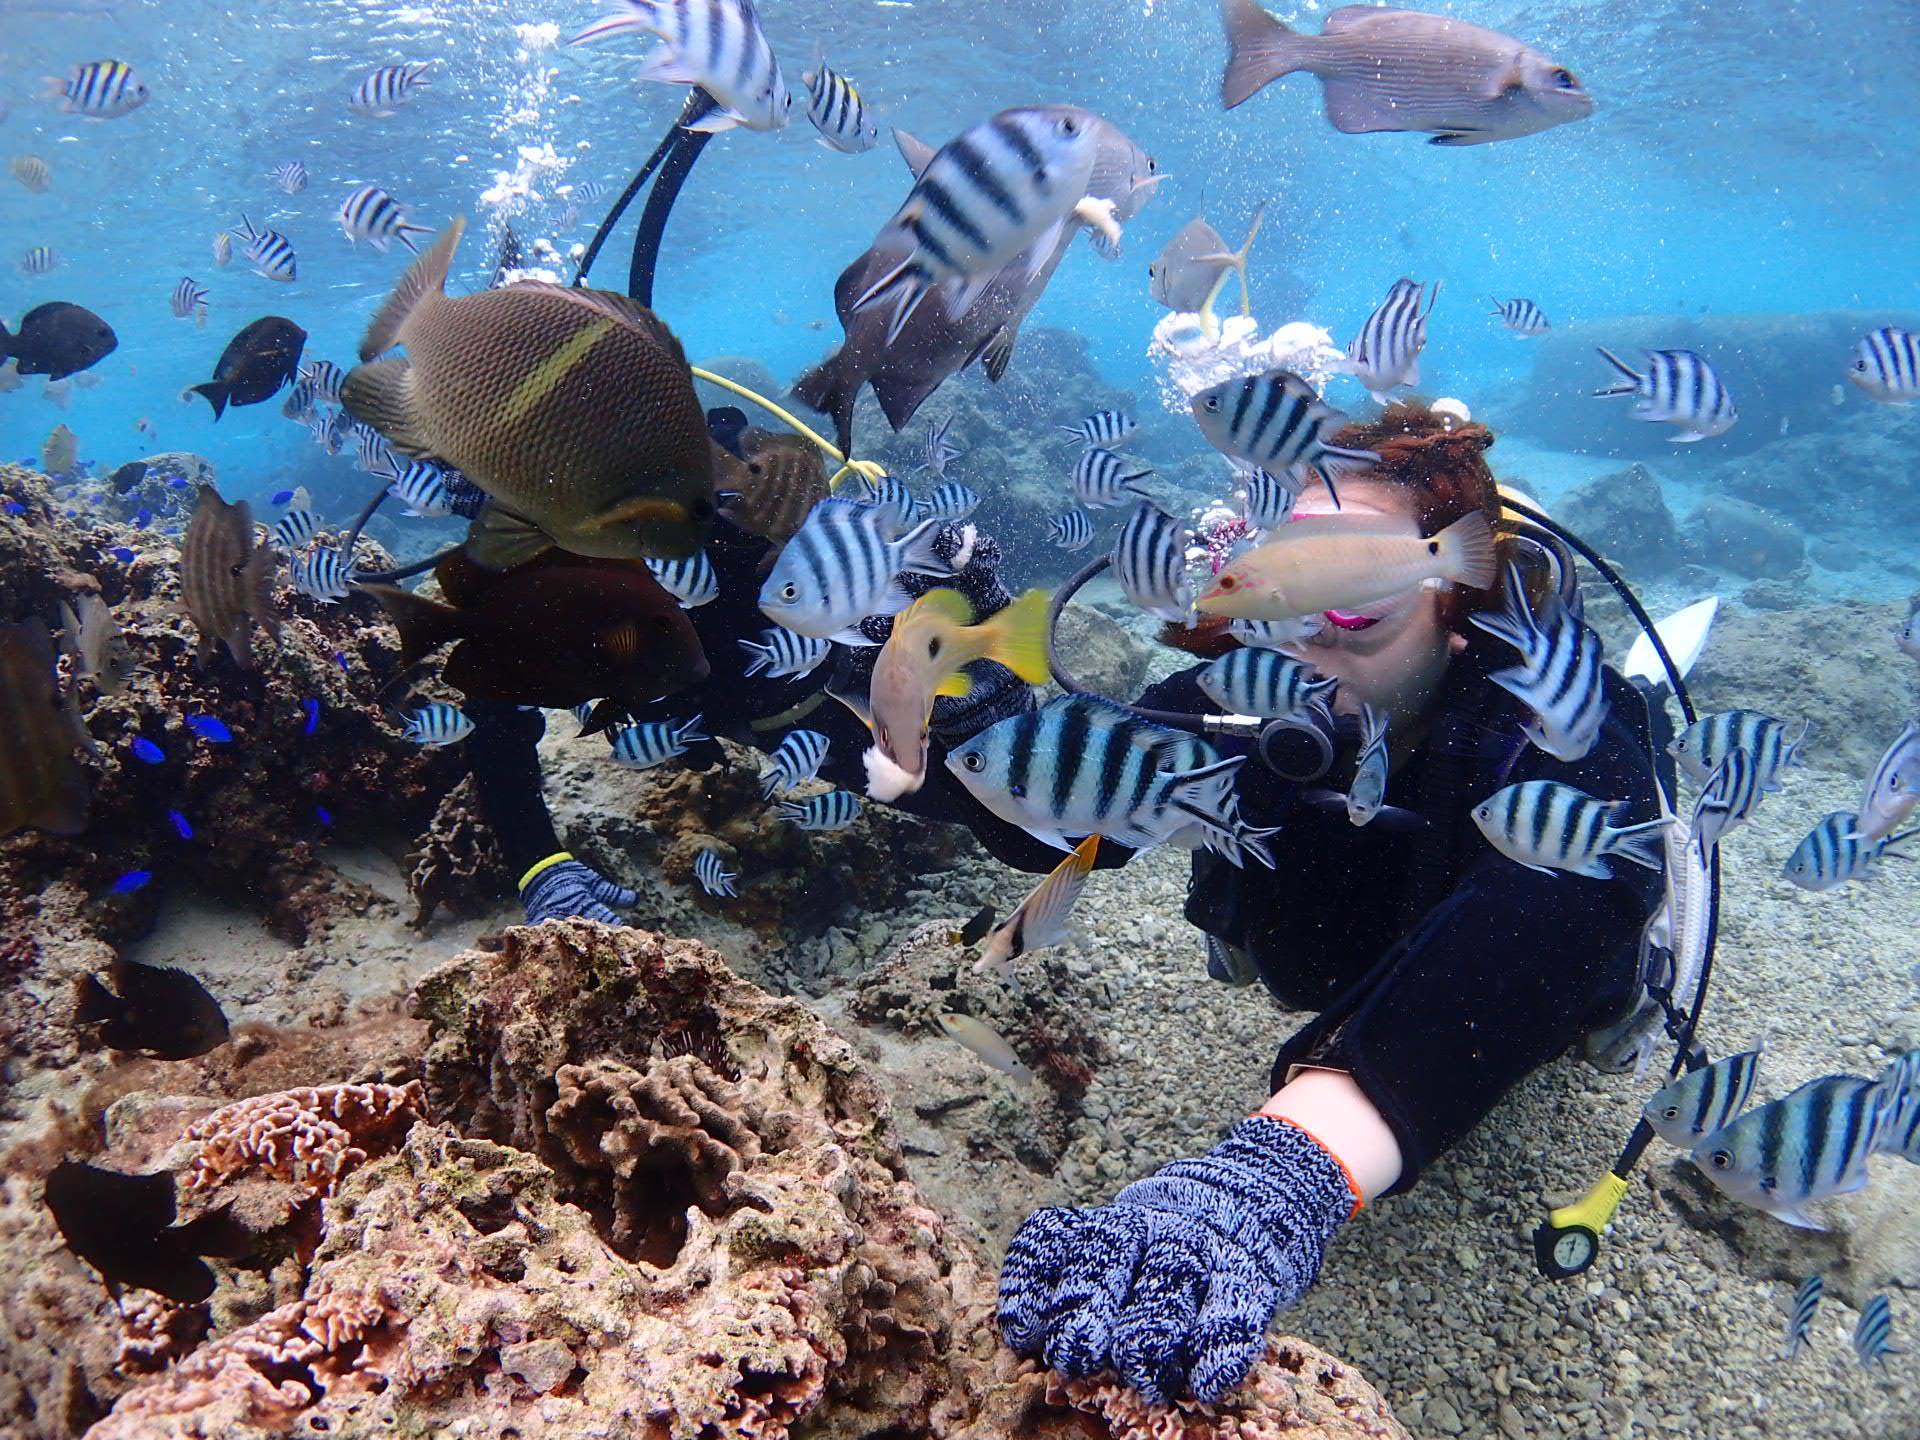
[1685,635]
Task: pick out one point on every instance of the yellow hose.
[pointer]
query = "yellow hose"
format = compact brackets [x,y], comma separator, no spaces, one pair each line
[866,469]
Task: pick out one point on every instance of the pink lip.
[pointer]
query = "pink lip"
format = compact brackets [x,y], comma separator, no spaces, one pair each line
[1340,619]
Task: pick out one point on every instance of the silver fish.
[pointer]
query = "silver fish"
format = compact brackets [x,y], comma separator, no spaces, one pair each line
[1366,797]
[1187,275]
[100,90]
[1871,1332]
[189,298]
[1704,1100]
[1547,826]
[383,91]
[1525,319]
[1731,795]
[290,177]
[1267,500]
[1386,353]
[1677,388]
[1150,562]
[1699,749]
[1104,428]
[1887,365]
[1894,787]
[93,637]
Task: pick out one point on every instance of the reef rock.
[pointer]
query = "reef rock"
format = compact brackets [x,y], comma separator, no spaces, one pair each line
[1738,535]
[1102,655]
[1625,516]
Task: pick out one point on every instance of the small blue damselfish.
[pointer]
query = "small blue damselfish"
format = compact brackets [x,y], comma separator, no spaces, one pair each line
[131,881]
[145,750]
[281,497]
[142,518]
[323,815]
[209,729]
[14,507]
[122,554]
[312,708]
[181,824]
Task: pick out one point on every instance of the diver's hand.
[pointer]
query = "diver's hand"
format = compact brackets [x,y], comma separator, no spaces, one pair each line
[561,888]
[1173,1283]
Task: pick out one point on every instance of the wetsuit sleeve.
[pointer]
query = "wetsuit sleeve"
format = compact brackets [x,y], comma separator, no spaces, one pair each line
[503,751]
[1504,974]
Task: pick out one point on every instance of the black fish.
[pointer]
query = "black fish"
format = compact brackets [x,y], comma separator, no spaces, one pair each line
[122,1225]
[57,340]
[256,363]
[975,930]
[164,1013]
[128,476]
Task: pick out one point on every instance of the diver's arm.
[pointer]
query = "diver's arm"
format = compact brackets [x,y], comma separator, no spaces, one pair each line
[1332,1108]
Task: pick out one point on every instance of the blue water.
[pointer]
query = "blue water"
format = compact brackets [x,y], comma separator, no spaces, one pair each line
[1748,158]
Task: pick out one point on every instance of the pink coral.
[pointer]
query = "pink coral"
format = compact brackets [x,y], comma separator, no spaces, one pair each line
[309,1137]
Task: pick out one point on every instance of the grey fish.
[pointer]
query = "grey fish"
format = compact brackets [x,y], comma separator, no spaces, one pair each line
[41,785]
[1383,69]
[1559,674]
[1679,388]
[226,578]
[1366,797]
[1704,1100]
[1800,1323]
[985,1042]
[1809,1146]
[92,636]
[1831,853]
[1547,826]
[1187,274]
[1894,787]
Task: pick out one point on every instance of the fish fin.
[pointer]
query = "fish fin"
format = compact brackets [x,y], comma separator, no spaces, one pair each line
[947,604]
[215,393]
[1260,51]
[960,298]
[1633,375]
[1643,844]
[1797,1218]
[381,394]
[501,540]
[634,16]
[1461,137]
[956,686]
[717,122]
[1049,837]
[1687,437]
[916,152]
[666,65]
[917,555]
[831,389]
[1019,637]
[997,353]
[1466,551]
[424,284]
[424,624]
[94,1003]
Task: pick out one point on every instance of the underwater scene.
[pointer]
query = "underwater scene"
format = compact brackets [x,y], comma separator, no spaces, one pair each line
[872,719]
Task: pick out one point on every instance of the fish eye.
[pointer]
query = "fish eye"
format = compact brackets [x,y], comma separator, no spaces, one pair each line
[933,648]
[1565,79]
[1213,404]
[1722,1159]
[1069,126]
[973,762]
[1672,1112]
[1153,166]
[1227,582]
[789,592]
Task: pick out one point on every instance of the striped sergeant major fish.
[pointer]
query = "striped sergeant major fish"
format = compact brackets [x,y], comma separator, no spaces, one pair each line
[371,449]
[1039,920]
[1071,531]
[1832,853]
[1104,427]
[99,90]
[835,810]
[1080,765]
[1559,674]
[1699,749]
[841,566]
[1251,681]
[1731,795]
[323,575]
[290,177]
[1009,184]
[838,112]
[641,747]
[715,44]
[420,485]
[1276,634]
[796,759]
[189,298]
[1887,365]
[294,529]
[1704,1100]
[1267,500]
[1524,318]
[432,726]
[1225,832]
[299,402]
[1367,796]
[1277,422]
[780,652]
[691,581]
[1547,826]
[1806,1300]
[1386,353]
[1101,479]
[950,501]
[1871,1333]
[1677,388]
[938,450]
[326,379]
[39,260]
[1894,787]
[371,214]
[1901,1083]
[383,91]
[895,502]
[32,172]
[1793,1152]
[712,873]
[1150,562]
[271,253]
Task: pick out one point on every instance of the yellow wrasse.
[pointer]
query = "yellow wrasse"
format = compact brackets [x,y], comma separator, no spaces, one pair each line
[1342,562]
[986,1042]
[1041,918]
[931,644]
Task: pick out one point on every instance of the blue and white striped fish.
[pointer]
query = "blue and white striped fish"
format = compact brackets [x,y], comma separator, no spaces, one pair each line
[691,581]
[326,379]
[294,529]
[223,249]
[39,260]
[384,90]
[1263,683]
[1101,479]
[1367,796]
[290,177]
[1704,1100]
[1832,853]
[1900,1084]
[1678,388]
[32,172]
[1150,562]
[1547,826]
[1080,766]
[712,873]
[950,501]
[1277,422]
[1729,798]
[1872,1333]
[1894,787]
[1224,832]
[841,566]
[432,726]
[271,253]
[798,757]
[1808,1146]
[1699,749]
[587,191]
[1276,634]
[1806,1301]
[99,90]
[583,712]
[641,747]
[1559,674]
[835,810]
[372,450]
[889,495]
[779,651]
[322,575]
[1267,500]
[1887,365]
[189,298]
[1386,353]
[1071,531]
[1105,428]
[1524,318]
[371,214]
[938,450]
[333,432]
[838,112]
[715,44]
[299,403]
[420,485]
[984,197]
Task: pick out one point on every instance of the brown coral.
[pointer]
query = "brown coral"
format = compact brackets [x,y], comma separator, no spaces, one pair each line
[457,862]
[309,1137]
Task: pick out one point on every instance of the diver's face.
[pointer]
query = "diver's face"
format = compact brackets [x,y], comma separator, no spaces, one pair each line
[1395,654]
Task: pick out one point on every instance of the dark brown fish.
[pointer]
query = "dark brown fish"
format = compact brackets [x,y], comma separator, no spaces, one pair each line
[781,479]
[553,632]
[152,1010]
[122,1225]
[227,578]
[256,363]
[41,785]
[92,636]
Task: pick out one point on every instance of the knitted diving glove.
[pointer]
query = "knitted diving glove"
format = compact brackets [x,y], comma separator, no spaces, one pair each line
[561,888]
[1172,1284]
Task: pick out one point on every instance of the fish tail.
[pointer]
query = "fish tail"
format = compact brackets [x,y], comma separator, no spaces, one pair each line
[216,396]
[1625,369]
[6,350]
[1643,844]
[1261,50]
[1207,795]
[1019,637]
[831,388]
[1467,554]
[94,1003]
[424,284]
[424,624]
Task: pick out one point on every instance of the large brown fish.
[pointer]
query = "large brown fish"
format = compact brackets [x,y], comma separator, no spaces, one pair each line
[573,409]
[41,785]
[227,579]
[553,632]
[782,478]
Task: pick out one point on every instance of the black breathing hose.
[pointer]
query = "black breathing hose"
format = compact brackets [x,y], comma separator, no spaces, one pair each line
[699,103]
